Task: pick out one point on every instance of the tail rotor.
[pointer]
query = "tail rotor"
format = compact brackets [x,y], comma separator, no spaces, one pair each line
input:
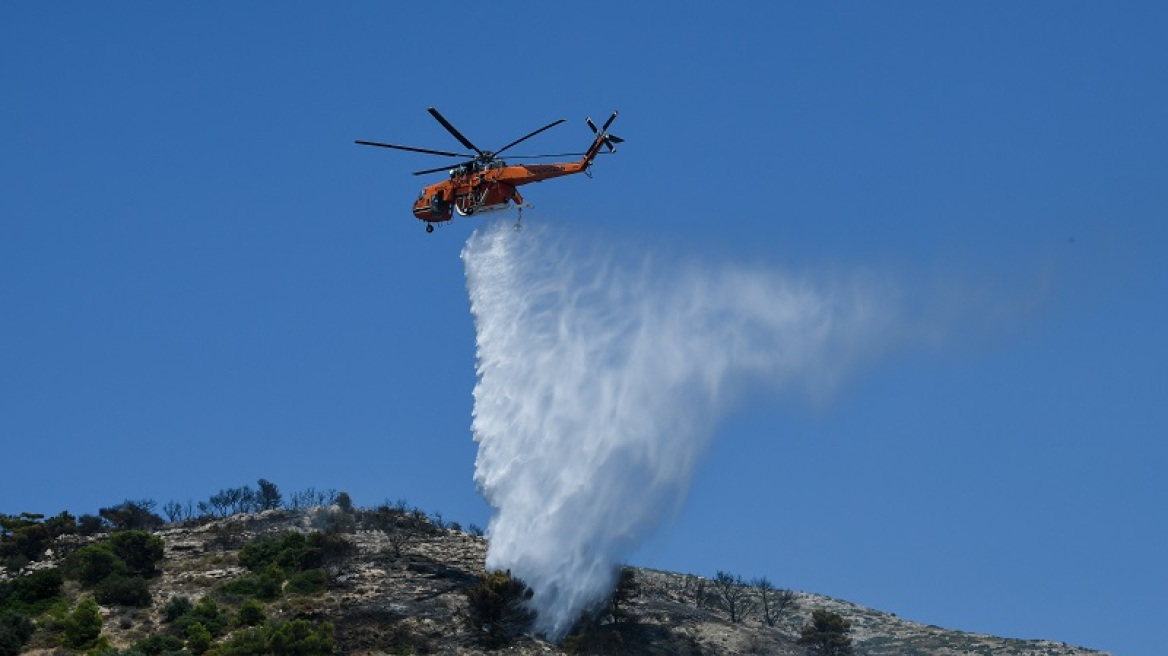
[609,139]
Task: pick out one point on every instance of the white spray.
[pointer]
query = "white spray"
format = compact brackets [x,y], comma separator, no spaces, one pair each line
[601,377]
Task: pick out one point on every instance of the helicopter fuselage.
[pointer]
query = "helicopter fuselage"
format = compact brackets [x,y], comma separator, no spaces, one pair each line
[491,189]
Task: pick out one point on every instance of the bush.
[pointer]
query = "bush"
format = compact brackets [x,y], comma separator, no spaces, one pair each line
[91,564]
[286,552]
[325,549]
[159,644]
[123,591]
[266,585]
[826,634]
[139,550]
[207,613]
[176,607]
[498,606]
[308,582]
[15,631]
[83,625]
[251,613]
[299,638]
[290,556]
[198,638]
[295,638]
[33,594]
[248,642]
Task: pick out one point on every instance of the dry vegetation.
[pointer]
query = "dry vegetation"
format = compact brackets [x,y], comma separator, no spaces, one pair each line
[393,581]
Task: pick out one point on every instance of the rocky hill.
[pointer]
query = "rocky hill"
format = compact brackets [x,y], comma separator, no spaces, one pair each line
[394,582]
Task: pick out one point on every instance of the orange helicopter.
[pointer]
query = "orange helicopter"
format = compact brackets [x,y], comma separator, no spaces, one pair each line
[484,183]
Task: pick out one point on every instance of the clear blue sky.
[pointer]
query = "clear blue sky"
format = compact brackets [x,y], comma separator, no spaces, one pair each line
[203,281]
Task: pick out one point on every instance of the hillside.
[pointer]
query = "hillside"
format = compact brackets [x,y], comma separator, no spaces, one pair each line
[391,581]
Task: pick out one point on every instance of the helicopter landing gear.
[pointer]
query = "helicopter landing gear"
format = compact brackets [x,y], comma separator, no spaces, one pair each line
[429,227]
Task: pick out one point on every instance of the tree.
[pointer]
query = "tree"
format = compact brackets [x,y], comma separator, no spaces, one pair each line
[773,601]
[223,500]
[826,634]
[730,594]
[179,512]
[625,591]
[22,538]
[132,515]
[268,496]
[89,525]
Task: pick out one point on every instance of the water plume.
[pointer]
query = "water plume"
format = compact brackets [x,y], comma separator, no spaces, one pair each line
[602,374]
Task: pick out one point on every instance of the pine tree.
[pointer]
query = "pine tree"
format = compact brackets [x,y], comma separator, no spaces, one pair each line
[826,634]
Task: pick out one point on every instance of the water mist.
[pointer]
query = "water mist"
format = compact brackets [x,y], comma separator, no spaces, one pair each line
[602,374]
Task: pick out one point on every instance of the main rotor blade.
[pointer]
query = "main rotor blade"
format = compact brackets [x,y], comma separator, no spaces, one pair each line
[608,122]
[442,168]
[524,138]
[412,149]
[450,128]
[546,156]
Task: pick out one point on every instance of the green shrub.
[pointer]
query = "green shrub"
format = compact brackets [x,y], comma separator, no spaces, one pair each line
[92,563]
[139,550]
[83,625]
[325,549]
[15,631]
[198,638]
[123,591]
[308,582]
[34,593]
[176,607]
[299,638]
[285,552]
[207,613]
[251,613]
[248,642]
[159,644]
[267,585]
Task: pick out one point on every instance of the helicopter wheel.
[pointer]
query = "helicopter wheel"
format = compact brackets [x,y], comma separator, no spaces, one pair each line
[429,227]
